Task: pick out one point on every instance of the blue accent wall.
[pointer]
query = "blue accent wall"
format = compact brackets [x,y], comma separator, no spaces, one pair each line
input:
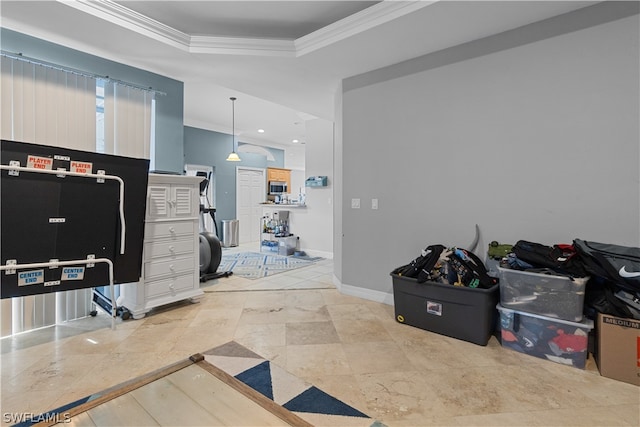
[209,148]
[169,108]
[278,155]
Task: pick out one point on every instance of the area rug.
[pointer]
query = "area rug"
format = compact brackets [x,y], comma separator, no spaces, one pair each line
[285,389]
[252,265]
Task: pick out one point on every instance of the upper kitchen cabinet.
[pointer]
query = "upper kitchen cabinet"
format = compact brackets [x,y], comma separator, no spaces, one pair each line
[279,175]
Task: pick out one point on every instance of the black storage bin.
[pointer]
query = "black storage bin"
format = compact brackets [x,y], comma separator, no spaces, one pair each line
[467,314]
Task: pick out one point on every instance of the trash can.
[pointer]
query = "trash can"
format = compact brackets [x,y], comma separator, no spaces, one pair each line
[230,232]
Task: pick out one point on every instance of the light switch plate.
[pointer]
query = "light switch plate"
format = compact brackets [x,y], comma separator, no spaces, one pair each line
[374,203]
[355,203]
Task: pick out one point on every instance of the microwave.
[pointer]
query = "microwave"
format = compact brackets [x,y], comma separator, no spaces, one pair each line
[276,187]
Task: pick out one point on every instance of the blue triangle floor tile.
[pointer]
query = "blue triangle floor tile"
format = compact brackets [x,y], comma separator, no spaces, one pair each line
[317,401]
[258,378]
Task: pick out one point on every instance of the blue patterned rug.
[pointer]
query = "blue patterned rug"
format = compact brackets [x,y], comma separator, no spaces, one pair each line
[254,265]
[285,389]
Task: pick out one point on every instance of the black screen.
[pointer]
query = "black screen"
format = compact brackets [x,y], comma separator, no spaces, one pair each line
[46,217]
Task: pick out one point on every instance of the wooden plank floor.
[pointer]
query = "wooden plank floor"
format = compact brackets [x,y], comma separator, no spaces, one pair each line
[191,396]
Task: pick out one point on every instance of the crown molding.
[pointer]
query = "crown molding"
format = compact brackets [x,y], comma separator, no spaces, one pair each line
[371,17]
[127,18]
[242,46]
[378,14]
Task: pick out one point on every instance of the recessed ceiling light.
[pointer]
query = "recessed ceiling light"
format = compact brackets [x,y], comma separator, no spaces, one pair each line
[295,141]
[260,130]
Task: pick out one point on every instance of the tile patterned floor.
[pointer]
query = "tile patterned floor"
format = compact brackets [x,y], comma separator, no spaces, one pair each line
[291,392]
[351,348]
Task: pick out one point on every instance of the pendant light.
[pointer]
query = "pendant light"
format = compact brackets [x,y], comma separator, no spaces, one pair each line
[233,156]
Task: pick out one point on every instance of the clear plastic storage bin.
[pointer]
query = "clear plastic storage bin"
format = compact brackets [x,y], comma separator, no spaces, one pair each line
[549,295]
[548,338]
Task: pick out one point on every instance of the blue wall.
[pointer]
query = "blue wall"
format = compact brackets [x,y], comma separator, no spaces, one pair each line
[278,155]
[209,148]
[169,107]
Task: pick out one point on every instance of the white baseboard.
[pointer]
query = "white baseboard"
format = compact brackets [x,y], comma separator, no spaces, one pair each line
[323,254]
[364,293]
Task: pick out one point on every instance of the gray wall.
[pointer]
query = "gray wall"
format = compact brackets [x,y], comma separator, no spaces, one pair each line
[338,188]
[169,107]
[538,141]
[209,148]
[314,224]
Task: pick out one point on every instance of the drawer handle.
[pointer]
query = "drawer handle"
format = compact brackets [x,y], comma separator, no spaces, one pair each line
[173,290]
[171,249]
[172,268]
[172,230]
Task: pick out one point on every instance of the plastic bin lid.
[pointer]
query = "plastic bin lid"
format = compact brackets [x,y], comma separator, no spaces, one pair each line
[578,280]
[586,323]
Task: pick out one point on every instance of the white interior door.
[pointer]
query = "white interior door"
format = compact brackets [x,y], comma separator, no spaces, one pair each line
[250,192]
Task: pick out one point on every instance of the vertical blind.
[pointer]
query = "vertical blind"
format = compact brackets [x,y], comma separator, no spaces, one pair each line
[49,105]
[127,120]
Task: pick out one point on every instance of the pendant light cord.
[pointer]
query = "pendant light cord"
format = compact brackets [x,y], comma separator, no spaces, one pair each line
[233,156]
[233,123]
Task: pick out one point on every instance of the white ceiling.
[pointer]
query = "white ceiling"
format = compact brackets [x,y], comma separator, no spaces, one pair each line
[280,20]
[283,60]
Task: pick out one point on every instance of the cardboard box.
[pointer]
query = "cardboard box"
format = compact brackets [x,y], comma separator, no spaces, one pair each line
[548,338]
[468,314]
[619,348]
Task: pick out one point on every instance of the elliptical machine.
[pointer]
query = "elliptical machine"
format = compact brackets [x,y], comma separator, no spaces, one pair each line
[210,246]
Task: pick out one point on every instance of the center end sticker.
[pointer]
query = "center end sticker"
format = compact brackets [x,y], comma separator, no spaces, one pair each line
[72,273]
[32,277]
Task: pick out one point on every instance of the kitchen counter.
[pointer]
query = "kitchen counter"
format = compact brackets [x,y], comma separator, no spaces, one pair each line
[276,211]
[282,205]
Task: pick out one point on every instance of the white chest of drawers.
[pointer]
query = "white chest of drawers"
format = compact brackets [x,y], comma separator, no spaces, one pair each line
[170,267]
